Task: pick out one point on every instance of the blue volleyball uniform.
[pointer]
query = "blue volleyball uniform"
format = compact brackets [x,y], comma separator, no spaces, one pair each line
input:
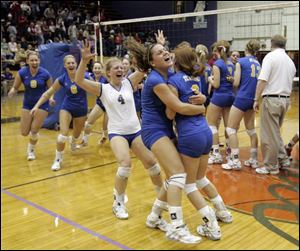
[137,100]
[205,84]
[250,69]
[102,80]
[194,134]
[223,96]
[75,101]
[155,123]
[35,86]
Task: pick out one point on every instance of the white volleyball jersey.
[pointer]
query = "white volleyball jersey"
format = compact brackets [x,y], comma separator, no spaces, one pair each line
[120,108]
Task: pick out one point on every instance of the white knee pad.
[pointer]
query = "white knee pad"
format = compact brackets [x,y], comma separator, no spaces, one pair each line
[251,132]
[178,180]
[33,136]
[154,170]
[189,188]
[202,182]
[213,129]
[87,125]
[166,185]
[124,172]
[230,131]
[62,138]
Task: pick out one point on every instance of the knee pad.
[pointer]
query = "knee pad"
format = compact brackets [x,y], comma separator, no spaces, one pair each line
[166,185]
[87,125]
[251,132]
[230,131]
[178,180]
[213,129]
[154,170]
[202,182]
[33,136]
[124,172]
[62,138]
[189,188]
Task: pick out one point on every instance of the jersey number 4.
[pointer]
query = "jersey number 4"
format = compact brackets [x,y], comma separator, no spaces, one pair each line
[121,100]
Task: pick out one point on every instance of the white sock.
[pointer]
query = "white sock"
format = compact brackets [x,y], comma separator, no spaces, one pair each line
[176,216]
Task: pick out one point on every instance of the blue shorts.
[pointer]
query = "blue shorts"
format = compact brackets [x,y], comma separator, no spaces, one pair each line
[150,136]
[44,106]
[222,99]
[76,113]
[100,104]
[243,104]
[128,137]
[195,145]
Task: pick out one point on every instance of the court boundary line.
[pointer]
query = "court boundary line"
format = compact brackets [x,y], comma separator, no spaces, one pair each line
[66,220]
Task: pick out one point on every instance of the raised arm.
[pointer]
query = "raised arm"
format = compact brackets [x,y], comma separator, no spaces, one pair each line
[136,78]
[90,86]
[170,100]
[16,86]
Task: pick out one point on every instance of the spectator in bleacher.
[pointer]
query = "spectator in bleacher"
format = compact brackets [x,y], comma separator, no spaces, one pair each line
[52,28]
[72,32]
[24,43]
[32,34]
[12,45]
[20,55]
[22,24]
[5,52]
[12,30]
[7,79]
[26,9]
[39,32]
[49,12]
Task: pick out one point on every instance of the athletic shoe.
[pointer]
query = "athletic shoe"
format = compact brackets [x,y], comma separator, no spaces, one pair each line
[232,164]
[209,232]
[224,216]
[284,163]
[56,165]
[159,223]
[251,163]
[73,145]
[215,158]
[120,210]
[182,234]
[31,155]
[267,170]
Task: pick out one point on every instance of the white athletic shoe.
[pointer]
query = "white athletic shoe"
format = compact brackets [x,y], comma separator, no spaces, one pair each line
[56,165]
[211,233]
[120,210]
[73,145]
[182,234]
[159,223]
[224,216]
[215,158]
[31,155]
[232,164]
[267,170]
[251,163]
[84,142]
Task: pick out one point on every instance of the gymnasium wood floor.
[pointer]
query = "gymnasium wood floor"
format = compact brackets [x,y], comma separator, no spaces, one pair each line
[72,208]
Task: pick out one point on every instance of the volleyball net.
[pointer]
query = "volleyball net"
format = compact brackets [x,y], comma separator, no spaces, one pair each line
[236,25]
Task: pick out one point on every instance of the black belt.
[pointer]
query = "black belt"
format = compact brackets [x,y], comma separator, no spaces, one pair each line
[275,96]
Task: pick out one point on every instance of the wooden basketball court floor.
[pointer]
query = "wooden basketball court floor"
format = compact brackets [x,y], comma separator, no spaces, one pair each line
[72,208]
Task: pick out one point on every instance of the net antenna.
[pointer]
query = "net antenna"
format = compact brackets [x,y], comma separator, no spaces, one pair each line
[100,35]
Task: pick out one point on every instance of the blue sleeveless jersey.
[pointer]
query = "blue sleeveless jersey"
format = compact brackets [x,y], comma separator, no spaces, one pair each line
[35,86]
